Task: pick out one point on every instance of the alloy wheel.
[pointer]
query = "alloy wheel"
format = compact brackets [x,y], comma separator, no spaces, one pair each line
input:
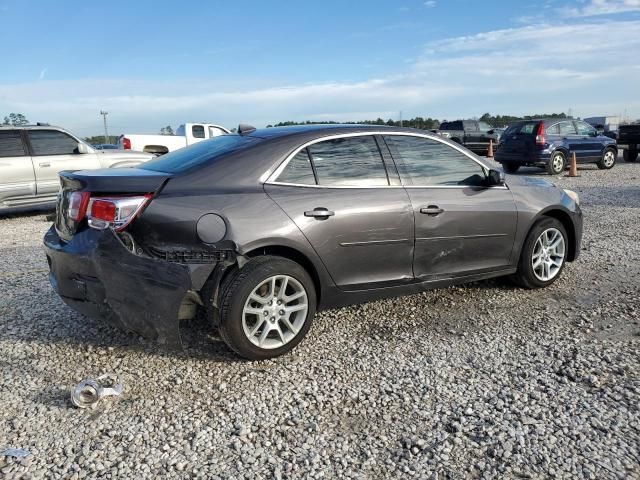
[548,254]
[609,158]
[558,163]
[275,311]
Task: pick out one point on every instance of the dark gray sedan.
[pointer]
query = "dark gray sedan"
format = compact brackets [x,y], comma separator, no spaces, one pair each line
[263,228]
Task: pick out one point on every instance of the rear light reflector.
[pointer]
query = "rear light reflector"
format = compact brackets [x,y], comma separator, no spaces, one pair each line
[78,202]
[540,140]
[115,212]
[126,143]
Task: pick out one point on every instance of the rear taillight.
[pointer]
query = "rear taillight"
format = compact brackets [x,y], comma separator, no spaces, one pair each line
[115,212]
[78,202]
[126,143]
[540,140]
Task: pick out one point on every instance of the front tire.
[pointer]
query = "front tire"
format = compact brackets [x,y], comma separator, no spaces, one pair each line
[543,254]
[266,307]
[630,155]
[557,163]
[608,159]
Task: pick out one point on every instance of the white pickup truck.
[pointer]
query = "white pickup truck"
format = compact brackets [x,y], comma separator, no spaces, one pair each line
[186,134]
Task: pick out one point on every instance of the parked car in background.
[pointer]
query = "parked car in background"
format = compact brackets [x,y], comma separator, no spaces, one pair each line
[473,134]
[186,134]
[32,155]
[629,141]
[549,143]
[267,227]
[105,146]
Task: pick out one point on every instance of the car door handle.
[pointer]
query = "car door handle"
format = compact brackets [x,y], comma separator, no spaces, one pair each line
[320,213]
[431,210]
[44,164]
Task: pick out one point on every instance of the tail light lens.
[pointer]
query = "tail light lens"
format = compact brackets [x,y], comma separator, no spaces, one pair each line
[126,143]
[78,202]
[115,212]
[540,140]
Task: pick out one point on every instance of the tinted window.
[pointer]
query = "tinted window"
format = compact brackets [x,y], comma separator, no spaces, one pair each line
[52,142]
[198,154]
[353,161]
[11,144]
[566,128]
[422,161]
[197,131]
[298,170]
[584,128]
[470,126]
[446,126]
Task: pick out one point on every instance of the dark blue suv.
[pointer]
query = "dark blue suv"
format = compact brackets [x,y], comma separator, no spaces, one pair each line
[549,143]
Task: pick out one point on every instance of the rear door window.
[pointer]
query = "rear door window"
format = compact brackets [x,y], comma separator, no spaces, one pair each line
[425,162]
[566,128]
[298,170]
[11,144]
[52,142]
[351,161]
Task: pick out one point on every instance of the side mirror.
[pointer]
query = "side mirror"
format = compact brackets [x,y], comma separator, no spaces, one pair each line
[82,148]
[491,132]
[495,178]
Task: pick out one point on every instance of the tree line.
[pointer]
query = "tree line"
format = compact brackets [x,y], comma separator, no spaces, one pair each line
[428,123]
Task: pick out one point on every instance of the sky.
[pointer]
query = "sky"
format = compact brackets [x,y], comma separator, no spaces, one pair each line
[152,63]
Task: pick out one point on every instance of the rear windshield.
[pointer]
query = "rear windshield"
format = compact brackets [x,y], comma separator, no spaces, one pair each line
[525,128]
[198,154]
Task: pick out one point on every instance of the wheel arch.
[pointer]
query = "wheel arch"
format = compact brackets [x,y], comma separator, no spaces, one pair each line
[565,219]
[294,255]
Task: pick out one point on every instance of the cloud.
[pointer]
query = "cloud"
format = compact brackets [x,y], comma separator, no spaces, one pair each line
[602,7]
[524,70]
[430,3]
[43,72]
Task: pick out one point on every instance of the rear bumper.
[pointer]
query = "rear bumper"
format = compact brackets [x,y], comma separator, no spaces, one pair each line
[98,276]
[529,158]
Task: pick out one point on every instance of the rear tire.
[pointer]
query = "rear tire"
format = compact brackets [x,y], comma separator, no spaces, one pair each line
[510,167]
[608,159]
[630,155]
[557,163]
[263,285]
[536,252]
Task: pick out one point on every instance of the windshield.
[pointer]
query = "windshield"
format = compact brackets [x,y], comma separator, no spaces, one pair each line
[202,152]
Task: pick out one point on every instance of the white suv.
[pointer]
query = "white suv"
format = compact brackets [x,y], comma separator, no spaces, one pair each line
[32,155]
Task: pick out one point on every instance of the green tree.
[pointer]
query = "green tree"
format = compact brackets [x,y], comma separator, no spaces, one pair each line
[166,130]
[15,119]
[99,139]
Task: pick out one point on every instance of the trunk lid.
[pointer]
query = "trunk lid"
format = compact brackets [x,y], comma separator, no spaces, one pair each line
[118,181]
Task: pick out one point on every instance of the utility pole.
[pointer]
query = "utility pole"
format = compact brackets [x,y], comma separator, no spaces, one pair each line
[400,118]
[104,117]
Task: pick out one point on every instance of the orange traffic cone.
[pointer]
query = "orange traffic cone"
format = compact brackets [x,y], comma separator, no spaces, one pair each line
[490,152]
[573,166]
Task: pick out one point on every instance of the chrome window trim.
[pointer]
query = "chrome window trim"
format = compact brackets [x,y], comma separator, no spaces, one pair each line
[271,177]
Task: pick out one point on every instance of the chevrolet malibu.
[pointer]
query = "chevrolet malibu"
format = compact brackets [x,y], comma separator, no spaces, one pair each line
[261,229]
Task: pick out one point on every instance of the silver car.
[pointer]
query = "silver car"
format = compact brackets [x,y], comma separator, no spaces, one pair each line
[31,157]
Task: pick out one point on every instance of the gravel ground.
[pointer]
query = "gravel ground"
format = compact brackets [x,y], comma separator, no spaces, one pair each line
[479,381]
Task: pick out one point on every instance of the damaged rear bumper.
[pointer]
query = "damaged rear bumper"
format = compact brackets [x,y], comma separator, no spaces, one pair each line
[98,276]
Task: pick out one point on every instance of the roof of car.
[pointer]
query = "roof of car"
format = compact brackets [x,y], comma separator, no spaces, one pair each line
[30,126]
[324,129]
